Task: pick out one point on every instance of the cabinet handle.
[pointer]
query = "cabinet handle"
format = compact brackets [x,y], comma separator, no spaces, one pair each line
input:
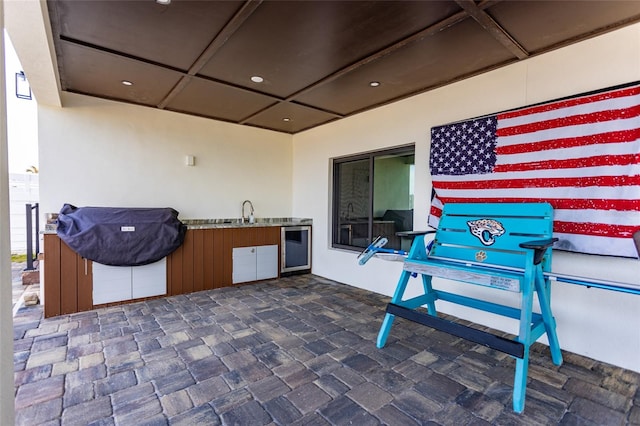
[253,250]
[86,272]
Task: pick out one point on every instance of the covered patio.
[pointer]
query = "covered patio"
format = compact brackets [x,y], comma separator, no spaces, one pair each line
[301,350]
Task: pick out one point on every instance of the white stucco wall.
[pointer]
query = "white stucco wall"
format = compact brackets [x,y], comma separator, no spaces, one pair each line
[596,323]
[95,152]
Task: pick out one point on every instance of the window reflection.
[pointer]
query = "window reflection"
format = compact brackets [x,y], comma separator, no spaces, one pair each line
[373,196]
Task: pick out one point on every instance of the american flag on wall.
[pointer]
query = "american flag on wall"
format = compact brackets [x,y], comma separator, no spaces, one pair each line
[580,154]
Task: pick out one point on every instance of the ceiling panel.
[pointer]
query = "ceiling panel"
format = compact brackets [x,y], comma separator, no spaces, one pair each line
[173,35]
[317,58]
[539,25]
[292,44]
[211,99]
[93,72]
[458,51]
[289,117]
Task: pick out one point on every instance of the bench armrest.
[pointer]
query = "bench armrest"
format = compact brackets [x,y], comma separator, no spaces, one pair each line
[540,246]
[414,233]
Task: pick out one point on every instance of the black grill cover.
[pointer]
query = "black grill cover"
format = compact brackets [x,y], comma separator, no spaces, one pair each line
[121,236]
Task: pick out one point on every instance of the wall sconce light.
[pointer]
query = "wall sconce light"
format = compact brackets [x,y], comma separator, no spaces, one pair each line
[23,90]
[190,160]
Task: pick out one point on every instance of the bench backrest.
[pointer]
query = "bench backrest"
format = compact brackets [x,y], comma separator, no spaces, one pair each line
[490,233]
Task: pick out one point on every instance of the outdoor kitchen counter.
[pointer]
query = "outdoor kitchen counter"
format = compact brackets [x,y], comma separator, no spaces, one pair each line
[50,228]
[203,262]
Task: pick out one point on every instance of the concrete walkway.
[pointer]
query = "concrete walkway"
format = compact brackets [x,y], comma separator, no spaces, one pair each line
[18,289]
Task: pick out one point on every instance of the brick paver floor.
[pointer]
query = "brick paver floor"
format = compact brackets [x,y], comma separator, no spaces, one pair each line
[299,350]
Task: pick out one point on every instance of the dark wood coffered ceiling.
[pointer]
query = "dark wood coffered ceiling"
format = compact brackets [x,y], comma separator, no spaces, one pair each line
[317,58]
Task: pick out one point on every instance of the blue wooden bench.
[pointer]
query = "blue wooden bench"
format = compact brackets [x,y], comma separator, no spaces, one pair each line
[504,246]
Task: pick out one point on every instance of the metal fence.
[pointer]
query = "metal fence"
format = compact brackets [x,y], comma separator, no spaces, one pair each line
[23,189]
[33,233]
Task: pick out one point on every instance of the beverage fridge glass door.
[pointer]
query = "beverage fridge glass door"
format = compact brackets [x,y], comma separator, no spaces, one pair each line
[296,248]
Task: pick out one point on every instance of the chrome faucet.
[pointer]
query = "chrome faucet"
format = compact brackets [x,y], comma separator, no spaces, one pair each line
[250,206]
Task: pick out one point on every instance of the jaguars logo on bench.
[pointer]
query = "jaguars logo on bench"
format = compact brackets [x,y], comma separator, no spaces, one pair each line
[486,230]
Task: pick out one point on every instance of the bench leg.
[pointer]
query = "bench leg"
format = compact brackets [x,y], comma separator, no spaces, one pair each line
[384,330]
[524,337]
[543,288]
[417,251]
[397,299]
[388,318]
[426,284]
[520,382]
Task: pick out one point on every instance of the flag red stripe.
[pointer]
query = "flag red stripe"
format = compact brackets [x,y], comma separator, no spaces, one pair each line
[571,163]
[557,203]
[595,229]
[577,182]
[593,117]
[435,211]
[571,102]
[601,138]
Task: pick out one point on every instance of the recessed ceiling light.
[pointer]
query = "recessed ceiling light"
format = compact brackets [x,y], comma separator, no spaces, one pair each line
[163,2]
[374,84]
[257,79]
[127,83]
[286,119]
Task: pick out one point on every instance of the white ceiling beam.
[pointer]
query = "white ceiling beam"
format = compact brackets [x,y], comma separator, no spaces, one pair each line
[27,23]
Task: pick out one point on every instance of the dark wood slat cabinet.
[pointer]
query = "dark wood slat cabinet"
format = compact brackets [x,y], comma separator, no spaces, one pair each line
[197,264]
[68,285]
[203,262]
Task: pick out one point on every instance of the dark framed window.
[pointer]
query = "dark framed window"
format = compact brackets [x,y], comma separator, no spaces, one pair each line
[373,196]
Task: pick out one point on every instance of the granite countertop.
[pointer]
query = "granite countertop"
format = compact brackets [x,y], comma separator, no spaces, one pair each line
[50,227]
[236,223]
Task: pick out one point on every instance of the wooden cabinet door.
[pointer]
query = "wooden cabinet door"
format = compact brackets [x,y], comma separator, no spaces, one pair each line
[68,280]
[85,284]
[51,288]
[245,237]
[198,264]
[68,284]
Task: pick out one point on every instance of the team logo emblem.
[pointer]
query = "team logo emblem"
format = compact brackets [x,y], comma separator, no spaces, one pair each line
[486,230]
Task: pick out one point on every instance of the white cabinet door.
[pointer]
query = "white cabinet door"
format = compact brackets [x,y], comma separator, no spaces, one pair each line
[244,264]
[117,283]
[267,262]
[111,283]
[149,280]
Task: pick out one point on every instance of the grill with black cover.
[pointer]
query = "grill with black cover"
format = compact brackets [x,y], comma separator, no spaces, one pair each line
[119,236]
